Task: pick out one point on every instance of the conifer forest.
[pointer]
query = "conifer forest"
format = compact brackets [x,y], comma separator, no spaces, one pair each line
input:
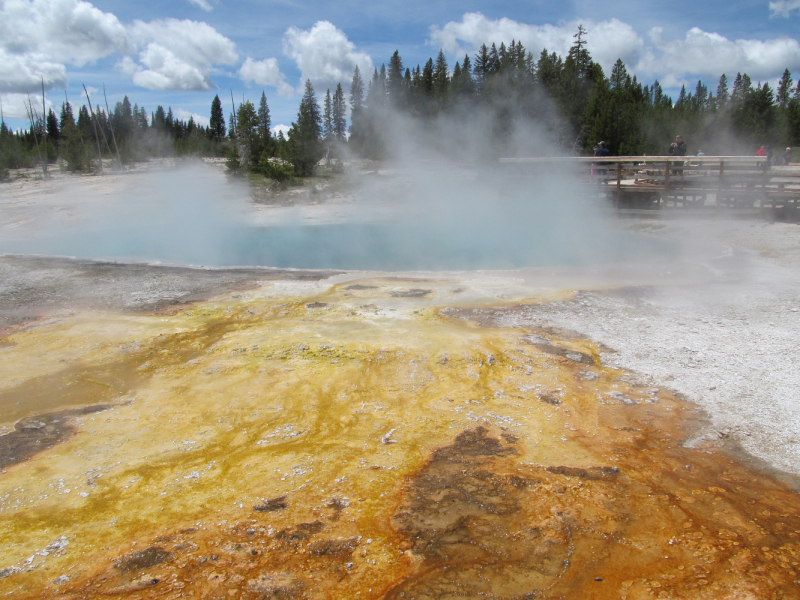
[573,100]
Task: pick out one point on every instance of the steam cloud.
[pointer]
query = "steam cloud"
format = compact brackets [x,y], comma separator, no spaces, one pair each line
[440,201]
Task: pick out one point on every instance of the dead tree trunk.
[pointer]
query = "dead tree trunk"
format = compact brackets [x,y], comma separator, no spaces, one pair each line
[94,125]
[111,127]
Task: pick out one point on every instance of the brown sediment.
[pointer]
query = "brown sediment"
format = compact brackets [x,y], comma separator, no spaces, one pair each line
[411,293]
[254,463]
[360,286]
[545,346]
[274,504]
[41,432]
[605,532]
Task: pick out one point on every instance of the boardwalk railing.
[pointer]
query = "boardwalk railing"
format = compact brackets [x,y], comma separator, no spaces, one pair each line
[688,181]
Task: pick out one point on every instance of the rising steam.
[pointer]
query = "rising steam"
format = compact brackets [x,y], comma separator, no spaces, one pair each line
[440,200]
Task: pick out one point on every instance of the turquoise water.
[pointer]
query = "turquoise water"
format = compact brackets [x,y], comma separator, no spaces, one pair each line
[388,246]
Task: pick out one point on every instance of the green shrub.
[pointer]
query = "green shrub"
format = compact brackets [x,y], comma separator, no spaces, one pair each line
[277,171]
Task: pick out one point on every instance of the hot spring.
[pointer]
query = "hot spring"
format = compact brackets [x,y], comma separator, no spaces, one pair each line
[401,222]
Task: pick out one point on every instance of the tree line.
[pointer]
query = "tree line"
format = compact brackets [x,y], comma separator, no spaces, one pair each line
[571,98]
[127,134]
[576,103]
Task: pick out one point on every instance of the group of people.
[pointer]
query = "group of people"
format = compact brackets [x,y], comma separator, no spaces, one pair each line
[783,159]
[678,148]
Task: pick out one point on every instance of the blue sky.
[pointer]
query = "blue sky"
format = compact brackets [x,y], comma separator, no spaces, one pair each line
[182,53]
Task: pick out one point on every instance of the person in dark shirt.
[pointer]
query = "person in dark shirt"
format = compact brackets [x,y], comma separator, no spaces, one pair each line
[601,150]
[678,148]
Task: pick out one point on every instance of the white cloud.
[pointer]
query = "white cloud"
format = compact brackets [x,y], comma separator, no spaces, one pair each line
[14,105]
[184,115]
[325,55]
[284,128]
[65,31]
[202,4]
[698,53]
[177,55]
[23,73]
[265,72]
[783,8]
[606,40]
[703,53]
[38,38]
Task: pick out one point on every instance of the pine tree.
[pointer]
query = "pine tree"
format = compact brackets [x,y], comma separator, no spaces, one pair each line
[247,124]
[494,60]
[426,79]
[304,136]
[502,58]
[467,82]
[327,118]
[481,69]
[441,77]
[52,126]
[395,87]
[579,54]
[784,92]
[356,91]
[548,69]
[618,75]
[376,93]
[122,120]
[66,115]
[264,121]
[455,81]
[722,92]
[339,114]
[216,124]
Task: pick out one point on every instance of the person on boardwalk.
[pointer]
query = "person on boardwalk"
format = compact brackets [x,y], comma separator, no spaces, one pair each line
[678,148]
[601,150]
[786,157]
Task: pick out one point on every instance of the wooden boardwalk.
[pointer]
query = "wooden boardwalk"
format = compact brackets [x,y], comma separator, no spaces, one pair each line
[746,183]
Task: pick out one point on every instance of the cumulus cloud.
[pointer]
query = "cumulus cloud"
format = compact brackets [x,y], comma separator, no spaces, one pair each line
[325,55]
[38,38]
[703,53]
[783,8]
[66,31]
[14,105]
[265,72]
[184,115]
[281,127]
[697,53]
[177,55]
[607,40]
[23,73]
[202,4]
